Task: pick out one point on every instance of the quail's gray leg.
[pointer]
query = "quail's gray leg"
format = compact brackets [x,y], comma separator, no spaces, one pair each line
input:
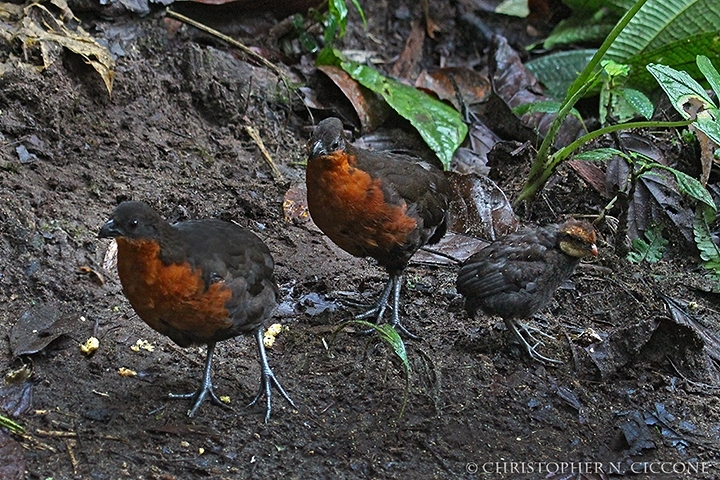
[393,287]
[206,387]
[267,379]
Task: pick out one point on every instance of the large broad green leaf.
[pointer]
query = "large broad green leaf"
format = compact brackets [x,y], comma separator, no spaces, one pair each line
[439,124]
[669,32]
[683,91]
[680,87]
[567,33]
[711,74]
[559,70]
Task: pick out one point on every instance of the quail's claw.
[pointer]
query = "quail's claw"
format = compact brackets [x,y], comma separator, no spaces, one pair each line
[267,380]
[530,349]
[206,387]
[378,310]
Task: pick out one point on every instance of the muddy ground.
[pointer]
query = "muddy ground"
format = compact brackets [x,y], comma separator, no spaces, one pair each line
[172,135]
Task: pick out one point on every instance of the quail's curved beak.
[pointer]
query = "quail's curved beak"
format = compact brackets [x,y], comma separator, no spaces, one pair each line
[593,250]
[109,230]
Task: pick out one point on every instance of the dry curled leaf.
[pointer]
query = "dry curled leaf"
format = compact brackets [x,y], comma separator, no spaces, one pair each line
[480,208]
[41,28]
[463,87]
[38,327]
[370,109]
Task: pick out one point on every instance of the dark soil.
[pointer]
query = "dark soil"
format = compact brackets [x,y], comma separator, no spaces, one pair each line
[172,135]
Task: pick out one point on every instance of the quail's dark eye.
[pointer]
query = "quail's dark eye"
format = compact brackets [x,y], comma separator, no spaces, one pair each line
[335,145]
[132,225]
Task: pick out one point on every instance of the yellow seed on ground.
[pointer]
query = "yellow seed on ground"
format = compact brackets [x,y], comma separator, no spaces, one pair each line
[90,346]
[144,344]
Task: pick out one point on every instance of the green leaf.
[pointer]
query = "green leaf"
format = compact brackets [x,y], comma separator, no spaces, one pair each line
[338,17]
[690,186]
[308,42]
[514,8]
[614,69]
[584,5]
[599,155]
[661,22]
[710,73]
[439,124]
[577,31]
[558,71]
[683,90]
[638,100]
[617,106]
[710,128]
[709,251]
[361,12]
[680,54]
[331,29]
[327,56]
[650,249]
[546,106]
[592,6]
[670,32]
[680,88]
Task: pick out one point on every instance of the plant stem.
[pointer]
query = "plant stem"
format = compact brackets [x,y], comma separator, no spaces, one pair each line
[578,88]
[548,167]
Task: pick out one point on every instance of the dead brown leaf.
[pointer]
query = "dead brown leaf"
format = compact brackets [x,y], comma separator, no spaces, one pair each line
[41,27]
[480,208]
[38,327]
[407,64]
[462,87]
[370,109]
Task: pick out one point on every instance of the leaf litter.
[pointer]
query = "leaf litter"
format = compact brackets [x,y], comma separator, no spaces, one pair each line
[461,366]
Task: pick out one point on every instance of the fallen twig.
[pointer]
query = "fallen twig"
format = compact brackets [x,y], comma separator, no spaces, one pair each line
[70,445]
[255,135]
[54,433]
[265,62]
